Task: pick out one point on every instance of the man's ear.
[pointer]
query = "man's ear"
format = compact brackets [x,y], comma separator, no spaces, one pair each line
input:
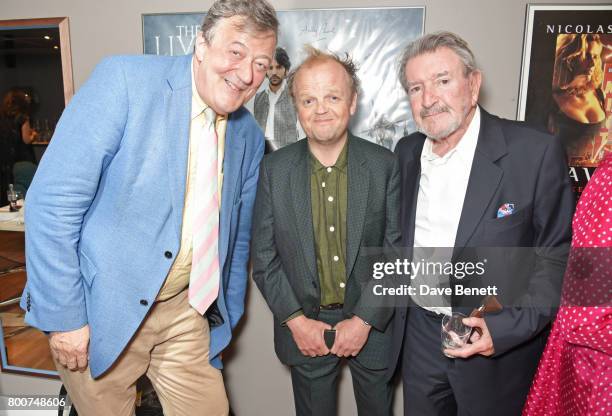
[353,107]
[475,79]
[201,45]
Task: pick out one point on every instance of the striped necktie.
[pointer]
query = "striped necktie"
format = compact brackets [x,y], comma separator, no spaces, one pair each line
[204,277]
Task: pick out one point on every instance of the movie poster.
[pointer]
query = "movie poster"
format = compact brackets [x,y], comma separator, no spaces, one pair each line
[373,38]
[566,81]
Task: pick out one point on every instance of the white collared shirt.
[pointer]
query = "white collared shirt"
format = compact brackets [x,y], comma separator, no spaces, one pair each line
[272,98]
[442,187]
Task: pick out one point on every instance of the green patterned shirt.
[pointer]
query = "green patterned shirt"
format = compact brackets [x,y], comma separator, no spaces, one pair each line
[328,193]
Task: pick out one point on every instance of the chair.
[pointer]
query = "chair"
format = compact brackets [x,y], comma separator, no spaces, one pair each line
[23,173]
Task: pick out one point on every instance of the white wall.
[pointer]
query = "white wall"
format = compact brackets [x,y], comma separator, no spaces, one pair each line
[257,382]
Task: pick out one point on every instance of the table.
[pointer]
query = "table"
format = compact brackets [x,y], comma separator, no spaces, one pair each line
[11,221]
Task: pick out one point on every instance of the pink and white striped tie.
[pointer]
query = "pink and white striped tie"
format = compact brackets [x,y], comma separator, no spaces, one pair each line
[204,277]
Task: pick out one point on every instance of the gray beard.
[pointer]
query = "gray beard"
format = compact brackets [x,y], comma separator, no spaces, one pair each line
[443,134]
[449,130]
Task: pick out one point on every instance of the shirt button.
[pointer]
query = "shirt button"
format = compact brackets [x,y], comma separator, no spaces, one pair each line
[323,185]
[144,302]
[342,285]
[329,170]
[330,199]
[336,258]
[168,254]
[331,228]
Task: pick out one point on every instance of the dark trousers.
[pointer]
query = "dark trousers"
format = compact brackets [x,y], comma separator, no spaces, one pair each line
[437,385]
[315,384]
[427,388]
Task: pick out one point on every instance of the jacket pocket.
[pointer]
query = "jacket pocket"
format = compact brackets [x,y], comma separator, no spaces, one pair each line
[506,223]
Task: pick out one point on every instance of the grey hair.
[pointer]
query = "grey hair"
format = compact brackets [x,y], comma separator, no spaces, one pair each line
[313,55]
[259,16]
[431,43]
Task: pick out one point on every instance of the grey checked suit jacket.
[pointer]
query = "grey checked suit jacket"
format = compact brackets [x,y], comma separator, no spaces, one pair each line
[283,251]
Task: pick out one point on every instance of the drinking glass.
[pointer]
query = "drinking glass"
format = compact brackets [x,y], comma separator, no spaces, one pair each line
[15,199]
[455,333]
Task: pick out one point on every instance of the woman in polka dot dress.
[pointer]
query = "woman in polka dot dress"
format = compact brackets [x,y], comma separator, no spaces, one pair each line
[575,374]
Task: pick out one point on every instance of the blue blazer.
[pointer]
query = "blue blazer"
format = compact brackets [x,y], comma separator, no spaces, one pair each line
[104,214]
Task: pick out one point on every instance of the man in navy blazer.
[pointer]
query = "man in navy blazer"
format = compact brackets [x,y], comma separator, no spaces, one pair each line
[108,255]
[472,181]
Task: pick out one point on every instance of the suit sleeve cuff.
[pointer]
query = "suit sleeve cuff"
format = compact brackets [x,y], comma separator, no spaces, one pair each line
[293,315]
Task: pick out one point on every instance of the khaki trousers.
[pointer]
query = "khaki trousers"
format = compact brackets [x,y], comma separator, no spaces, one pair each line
[171,348]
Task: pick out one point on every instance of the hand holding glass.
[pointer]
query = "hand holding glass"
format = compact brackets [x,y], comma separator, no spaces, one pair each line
[455,334]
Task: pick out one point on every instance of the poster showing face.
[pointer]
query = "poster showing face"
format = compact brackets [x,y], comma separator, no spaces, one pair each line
[373,38]
[566,81]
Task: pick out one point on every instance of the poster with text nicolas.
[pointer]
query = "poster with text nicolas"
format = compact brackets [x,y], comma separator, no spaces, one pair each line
[566,81]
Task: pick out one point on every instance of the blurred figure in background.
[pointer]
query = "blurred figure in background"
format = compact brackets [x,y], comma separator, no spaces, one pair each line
[273,108]
[16,135]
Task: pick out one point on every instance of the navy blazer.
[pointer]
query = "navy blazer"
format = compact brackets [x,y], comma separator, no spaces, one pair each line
[512,164]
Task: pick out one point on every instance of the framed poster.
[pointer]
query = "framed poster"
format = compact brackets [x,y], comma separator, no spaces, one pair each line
[566,81]
[372,37]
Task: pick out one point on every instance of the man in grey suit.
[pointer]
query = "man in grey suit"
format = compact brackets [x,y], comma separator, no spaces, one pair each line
[273,108]
[320,202]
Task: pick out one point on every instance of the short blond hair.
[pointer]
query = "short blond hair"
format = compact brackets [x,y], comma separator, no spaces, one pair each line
[314,55]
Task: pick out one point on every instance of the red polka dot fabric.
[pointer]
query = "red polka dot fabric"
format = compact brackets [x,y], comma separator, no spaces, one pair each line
[574,376]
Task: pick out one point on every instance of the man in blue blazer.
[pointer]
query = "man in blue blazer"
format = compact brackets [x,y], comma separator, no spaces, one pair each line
[112,211]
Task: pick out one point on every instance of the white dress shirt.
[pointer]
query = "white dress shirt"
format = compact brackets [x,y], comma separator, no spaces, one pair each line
[442,187]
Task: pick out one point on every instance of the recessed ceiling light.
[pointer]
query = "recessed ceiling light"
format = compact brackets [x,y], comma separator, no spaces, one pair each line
[56,47]
[47,37]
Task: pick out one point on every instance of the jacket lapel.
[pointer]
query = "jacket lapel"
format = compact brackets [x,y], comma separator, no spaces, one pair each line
[232,161]
[302,204]
[177,105]
[485,177]
[357,200]
[411,173]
